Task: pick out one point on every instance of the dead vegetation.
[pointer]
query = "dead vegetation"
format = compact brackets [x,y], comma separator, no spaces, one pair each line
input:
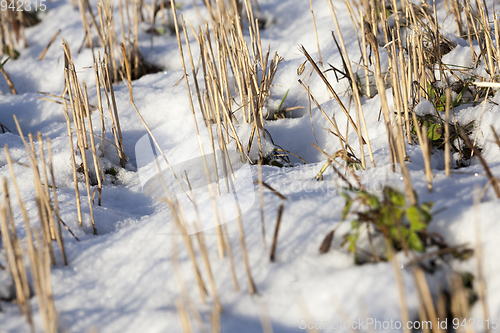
[232,82]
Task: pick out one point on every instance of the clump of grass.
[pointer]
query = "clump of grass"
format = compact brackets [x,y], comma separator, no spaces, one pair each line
[40,250]
[403,226]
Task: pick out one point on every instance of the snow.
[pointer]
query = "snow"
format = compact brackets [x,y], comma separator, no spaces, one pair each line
[124,279]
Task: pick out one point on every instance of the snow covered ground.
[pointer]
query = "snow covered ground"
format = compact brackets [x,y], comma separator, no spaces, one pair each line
[124,279]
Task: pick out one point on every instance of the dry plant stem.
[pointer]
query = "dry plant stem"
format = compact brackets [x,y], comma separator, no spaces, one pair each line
[200,237]
[117,127]
[261,197]
[365,55]
[13,252]
[251,285]
[481,118]
[41,263]
[494,180]
[275,238]
[40,197]
[48,45]
[357,100]
[325,80]
[401,289]
[175,209]
[332,121]
[56,205]
[447,146]
[423,289]
[129,77]
[426,152]
[54,231]
[52,225]
[396,156]
[220,240]
[481,286]
[92,144]
[9,81]
[83,154]
[230,255]
[180,224]
[70,136]
[186,323]
[206,261]
[99,103]
[85,23]
[269,187]
[495,135]
[316,34]
[41,200]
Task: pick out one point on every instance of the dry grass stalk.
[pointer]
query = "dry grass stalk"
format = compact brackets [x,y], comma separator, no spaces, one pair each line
[73,160]
[177,214]
[359,110]
[427,152]
[117,131]
[459,301]
[275,238]
[425,294]
[186,323]
[79,114]
[230,255]
[325,80]
[493,180]
[97,62]
[251,285]
[478,251]
[495,135]
[85,23]
[92,145]
[230,48]
[333,122]
[212,193]
[8,32]
[447,145]
[14,254]
[40,270]
[8,80]
[316,35]
[396,153]
[48,45]
[55,232]
[405,317]
[46,210]
[261,198]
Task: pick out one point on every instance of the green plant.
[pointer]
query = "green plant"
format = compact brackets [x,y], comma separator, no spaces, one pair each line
[401,226]
[438,96]
[435,133]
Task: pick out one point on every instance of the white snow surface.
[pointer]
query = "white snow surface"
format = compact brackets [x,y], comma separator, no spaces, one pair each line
[124,279]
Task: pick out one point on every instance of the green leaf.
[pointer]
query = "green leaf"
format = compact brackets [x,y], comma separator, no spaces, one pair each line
[282,101]
[427,207]
[3,63]
[431,91]
[434,132]
[417,217]
[352,239]
[415,243]
[374,203]
[347,208]
[397,198]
